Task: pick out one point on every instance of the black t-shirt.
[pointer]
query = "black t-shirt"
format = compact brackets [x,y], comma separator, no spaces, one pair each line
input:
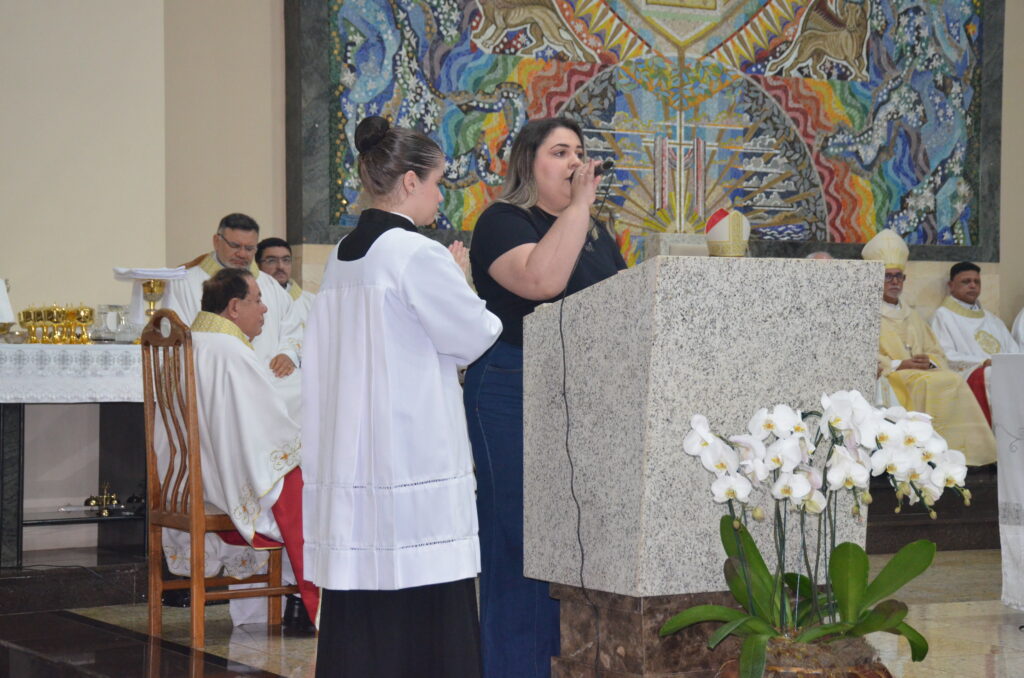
[503,227]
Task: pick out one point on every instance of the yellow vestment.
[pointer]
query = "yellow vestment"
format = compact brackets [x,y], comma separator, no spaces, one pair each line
[939,392]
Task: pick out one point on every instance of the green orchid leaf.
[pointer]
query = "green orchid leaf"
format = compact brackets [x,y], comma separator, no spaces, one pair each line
[848,570]
[737,626]
[752,656]
[909,562]
[698,614]
[918,645]
[886,615]
[766,606]
[733,540]
[799,583]
[816,632]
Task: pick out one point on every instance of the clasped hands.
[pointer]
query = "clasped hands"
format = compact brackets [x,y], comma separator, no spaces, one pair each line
[916,362]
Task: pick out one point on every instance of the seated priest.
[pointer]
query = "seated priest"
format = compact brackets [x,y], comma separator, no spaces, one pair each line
[249,446]
[912,364]
[970,335]
[274,257]
[278,347]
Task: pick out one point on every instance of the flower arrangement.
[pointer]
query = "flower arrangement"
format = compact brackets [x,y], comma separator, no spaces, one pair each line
[790,611]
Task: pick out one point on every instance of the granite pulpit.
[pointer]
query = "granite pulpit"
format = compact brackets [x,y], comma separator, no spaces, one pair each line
[641,353]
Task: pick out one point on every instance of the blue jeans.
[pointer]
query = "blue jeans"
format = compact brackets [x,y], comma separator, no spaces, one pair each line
[518,619]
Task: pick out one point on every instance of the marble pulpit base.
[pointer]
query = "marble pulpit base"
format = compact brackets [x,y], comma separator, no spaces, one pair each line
[630,646]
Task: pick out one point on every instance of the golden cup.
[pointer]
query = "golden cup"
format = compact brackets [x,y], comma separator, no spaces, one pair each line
[152,292]
[25,320]
[84,316]
[55,317]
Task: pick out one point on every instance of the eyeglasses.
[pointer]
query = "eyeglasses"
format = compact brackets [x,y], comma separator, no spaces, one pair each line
[237,246]
[895,277]
[273,261]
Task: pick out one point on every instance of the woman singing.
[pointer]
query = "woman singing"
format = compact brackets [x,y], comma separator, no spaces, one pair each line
[525,251]
[389,517]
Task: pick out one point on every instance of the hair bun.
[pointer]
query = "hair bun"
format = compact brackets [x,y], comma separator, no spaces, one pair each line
[370,131]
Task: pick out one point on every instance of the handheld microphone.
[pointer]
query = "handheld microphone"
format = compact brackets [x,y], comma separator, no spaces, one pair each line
[606,166]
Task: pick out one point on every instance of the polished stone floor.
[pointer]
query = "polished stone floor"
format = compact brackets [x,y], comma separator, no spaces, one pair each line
[955,605]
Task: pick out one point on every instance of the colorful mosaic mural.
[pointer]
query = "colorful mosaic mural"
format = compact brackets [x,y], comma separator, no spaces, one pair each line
[821,120]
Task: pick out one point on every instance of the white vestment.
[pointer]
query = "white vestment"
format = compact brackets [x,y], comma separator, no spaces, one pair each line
[1018,328]
[282,331]
[970,335]
[247,442]
[389,497]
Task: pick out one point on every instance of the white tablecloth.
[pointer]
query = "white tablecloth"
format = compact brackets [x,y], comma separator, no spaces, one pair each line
[41,373]
[1007,403]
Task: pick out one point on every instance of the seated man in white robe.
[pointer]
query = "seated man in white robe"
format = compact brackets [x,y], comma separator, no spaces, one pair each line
[969,334]
[274,257]
[912,365]
[249,446]
[1018,329]
[279,346]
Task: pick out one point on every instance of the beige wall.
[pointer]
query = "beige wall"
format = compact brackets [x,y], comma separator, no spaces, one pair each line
[225,118]
[1011,204]
[82,147]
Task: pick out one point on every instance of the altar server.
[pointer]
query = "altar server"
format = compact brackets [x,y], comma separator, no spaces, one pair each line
[968,334]
[250,447]
[389,514]
[279,346]
[912,363]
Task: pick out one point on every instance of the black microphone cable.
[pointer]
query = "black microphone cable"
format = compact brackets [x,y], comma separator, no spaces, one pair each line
[572,466]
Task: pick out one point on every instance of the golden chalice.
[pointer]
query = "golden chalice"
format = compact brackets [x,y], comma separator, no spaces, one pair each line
[152,292]
[25,320]
[69,325]
[84,316]
[55,316]
[44,319]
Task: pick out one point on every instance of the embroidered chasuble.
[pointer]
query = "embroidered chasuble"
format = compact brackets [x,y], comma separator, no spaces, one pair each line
[970,335]
[248,443]
[939,392]
[282,329]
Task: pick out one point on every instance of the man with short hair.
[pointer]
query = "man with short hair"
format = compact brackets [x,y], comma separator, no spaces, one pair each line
[249,446]
[969,334]
[279,344]
[274,257]
[912,364]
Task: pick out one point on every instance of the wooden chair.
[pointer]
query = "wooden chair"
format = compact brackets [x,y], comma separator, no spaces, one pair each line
[175,493]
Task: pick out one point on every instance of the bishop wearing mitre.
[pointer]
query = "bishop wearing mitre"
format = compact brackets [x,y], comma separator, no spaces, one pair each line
[913,365]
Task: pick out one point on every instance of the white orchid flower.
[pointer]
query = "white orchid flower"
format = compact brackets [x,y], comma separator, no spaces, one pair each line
[812,474]
[731,486]
[931,492]
[950,469]
[915,431]
[719,459]
[837,411]
[914,470]
[889,434]
[814,502]
[752,456]
[791,486]
[934,448]
[761,425]
[895,460]
[699,437]
[845,472]
[785,453]
[785,419]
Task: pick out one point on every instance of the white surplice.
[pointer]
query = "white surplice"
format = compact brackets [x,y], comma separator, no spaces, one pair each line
[247,444]
[282,329]
[389,497]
